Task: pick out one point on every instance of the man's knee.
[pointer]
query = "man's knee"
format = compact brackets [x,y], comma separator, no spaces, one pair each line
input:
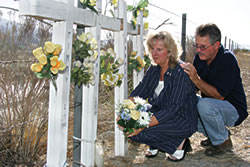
[205,107]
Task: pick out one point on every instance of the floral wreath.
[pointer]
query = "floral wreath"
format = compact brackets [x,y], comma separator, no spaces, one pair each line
[109,68]
[48,65]
[84,57]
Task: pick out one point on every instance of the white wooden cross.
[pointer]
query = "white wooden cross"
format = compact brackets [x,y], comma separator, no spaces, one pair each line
[138,46]
[65,14]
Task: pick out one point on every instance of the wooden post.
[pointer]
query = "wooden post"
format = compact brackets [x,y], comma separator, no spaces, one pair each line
[77,114]
[229,44]
[225,42]
[121,93]
[183,36]
[90,105]
[232,46]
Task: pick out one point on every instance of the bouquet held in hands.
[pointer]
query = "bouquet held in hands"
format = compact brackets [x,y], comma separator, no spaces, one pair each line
[133,115]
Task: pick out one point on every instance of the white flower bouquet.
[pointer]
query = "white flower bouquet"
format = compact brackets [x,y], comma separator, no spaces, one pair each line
[84,57]
[133,115]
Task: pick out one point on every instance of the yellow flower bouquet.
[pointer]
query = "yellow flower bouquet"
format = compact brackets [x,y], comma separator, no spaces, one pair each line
[133,114]
[48,64]
[109,68]
[137,63]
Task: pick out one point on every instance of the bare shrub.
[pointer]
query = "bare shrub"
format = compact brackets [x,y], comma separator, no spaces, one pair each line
[23,115]
[23,97]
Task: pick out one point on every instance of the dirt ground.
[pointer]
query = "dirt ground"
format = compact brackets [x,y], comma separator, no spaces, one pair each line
[239,157]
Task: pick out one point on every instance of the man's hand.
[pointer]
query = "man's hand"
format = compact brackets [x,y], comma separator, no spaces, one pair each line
[204,87]
[191,71]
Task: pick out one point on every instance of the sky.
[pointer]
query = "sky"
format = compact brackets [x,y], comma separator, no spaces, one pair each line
[231,16]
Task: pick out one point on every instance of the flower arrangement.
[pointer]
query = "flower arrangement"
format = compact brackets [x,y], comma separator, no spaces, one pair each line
[141,6]
[133,115]
[89,4]
[48,65]
[84,57]
[137,63]
[109,68]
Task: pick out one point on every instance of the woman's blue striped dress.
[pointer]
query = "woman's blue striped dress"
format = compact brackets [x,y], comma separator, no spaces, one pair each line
[175,108]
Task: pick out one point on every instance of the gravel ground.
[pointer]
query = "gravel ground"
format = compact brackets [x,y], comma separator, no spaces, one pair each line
[239,157]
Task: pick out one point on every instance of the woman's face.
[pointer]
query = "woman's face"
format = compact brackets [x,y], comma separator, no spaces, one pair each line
[159,53]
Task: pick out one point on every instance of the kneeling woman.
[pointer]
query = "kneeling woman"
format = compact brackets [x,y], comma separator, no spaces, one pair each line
[173,98]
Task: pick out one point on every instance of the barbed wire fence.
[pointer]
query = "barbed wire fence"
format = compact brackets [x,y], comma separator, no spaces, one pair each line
[182,27]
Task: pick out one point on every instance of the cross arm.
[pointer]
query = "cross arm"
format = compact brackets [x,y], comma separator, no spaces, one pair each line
[60,11]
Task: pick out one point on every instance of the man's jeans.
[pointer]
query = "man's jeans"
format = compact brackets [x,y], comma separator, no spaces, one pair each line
[216,115]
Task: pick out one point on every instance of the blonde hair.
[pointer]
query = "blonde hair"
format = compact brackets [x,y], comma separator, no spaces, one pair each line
[169,43]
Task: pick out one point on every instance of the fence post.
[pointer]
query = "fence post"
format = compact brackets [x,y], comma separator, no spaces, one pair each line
[225,42]
[229,44]
[183,36]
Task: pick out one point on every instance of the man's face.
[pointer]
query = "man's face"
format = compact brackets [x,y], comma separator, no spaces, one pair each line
[205,49]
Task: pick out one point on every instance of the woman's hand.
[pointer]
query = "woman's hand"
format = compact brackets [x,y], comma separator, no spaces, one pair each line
[136,132]
[120,127]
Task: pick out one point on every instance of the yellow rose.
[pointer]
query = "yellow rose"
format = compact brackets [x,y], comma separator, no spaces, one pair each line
[104,76]
[145,25]
[135,114]
[120,76]
[141,61]
[114,2]
[145,13]
[133,54]
[134,20]
[57,50]
[138,12]
[128,103]
[83,37]
[42,59]
[36,67]
[49,47]
[37,52]
[54,60]
[92,2]
[56,65]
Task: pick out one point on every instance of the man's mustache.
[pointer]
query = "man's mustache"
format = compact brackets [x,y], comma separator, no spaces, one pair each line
[199,53]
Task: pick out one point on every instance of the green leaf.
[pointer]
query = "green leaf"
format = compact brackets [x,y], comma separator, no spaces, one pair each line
[130,8]
[142,4]
[92,8]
